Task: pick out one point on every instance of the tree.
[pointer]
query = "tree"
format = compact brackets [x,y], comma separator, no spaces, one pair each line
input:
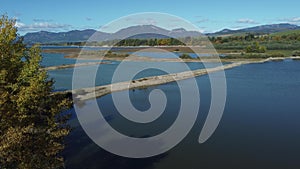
[255,48]
[249,37]
[262,49]
[296,53]
[185,56]
[32,117]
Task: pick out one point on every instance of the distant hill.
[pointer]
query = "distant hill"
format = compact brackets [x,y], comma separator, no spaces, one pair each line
[141,32]
[287,33]
[51,37]
[145,32]
[263,29]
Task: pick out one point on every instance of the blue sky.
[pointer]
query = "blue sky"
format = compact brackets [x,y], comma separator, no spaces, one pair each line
[209,16]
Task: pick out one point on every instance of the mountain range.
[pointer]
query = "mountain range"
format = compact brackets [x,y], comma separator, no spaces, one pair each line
[144,32]
[263,29]
[139,32]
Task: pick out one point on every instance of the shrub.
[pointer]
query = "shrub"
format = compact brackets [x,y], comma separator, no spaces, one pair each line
[296,53]
[275,55]
[255,48]
[185,56]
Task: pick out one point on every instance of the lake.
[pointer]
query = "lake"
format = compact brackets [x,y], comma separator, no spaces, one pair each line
[259,128]
[63,77]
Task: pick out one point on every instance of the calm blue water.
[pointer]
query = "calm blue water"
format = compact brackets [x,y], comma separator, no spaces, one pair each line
[63,77]
[56,59]
[165,54]
[259,129]
[76,47]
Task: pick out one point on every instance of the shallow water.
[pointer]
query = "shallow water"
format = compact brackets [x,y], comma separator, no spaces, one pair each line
[259,128]
[105,72]
[165,54]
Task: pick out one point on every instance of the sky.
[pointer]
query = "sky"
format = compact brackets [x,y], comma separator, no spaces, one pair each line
[208,16]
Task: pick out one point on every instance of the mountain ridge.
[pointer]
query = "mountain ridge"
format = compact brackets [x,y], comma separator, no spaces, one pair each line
[144,32]
[139,32]
[261,29]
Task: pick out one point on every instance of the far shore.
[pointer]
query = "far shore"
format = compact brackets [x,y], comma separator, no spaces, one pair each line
[74,53]
[186,49]
[146,59]
[74,65]
[120,55]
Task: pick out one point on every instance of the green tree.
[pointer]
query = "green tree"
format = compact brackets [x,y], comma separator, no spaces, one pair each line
[262,49]
[249,37]
[255,48]
[185,56]
[32,118]
[296,53]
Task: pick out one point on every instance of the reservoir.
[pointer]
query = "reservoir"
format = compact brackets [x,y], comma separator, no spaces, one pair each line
[259,128]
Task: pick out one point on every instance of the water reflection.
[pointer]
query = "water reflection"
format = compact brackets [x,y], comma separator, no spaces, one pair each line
[259,128]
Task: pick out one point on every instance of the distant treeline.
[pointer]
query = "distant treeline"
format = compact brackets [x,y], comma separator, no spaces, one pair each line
[288,41]
[150,42]
[139,42]
[279,41]
[129,42]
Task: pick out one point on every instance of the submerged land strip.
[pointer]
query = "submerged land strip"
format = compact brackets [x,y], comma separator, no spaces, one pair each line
[105,57]
[148,59]
[98,91]
[74,65]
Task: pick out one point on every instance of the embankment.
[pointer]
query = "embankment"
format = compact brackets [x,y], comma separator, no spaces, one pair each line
[73,65]
[98,91]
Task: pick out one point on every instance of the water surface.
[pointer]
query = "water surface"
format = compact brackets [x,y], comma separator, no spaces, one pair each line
[63,77]
[259,128]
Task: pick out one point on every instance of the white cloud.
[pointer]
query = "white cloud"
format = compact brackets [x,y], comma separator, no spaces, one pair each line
[202,30]
[17,14]
[19,24]
[291,20]
[237,27]
[202,20]
[246,21]
[42,26]
[42,20]
[88,19]
[296,19]
[147,21]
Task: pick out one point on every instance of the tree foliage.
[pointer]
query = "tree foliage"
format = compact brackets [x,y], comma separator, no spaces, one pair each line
[185,56]
[32,125]
[255,48]
[149,42]
[289,40]
[296,53]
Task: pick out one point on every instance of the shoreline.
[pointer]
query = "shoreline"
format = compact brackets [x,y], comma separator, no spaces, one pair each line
[73,53]
[67,49]
[108,60]
[73,65]
[99,91]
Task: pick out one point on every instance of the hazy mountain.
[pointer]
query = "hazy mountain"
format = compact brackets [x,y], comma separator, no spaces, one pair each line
[51,37]
[144,32]
[263,29]
[141,32]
